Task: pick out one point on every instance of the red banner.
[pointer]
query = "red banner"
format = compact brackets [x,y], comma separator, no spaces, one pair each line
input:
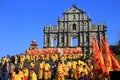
[98,61]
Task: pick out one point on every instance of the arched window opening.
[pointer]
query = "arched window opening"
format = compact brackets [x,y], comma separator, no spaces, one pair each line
[74,16]
[74,26]
[74,41]
[55,43]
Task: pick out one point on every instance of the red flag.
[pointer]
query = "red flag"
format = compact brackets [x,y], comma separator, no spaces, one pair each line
[106,56]
[115,63]
[114,56]
[98,61]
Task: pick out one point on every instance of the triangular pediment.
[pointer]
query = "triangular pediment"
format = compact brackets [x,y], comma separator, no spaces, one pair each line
[74,9]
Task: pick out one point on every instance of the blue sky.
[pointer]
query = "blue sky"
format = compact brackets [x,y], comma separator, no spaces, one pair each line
[23,20]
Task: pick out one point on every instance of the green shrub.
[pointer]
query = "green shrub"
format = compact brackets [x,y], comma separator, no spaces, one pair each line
[118,56]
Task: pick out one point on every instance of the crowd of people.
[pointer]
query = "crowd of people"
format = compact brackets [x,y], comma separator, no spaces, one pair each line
[52,65]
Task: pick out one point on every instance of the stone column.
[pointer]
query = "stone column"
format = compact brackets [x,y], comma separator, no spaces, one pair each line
[60,40]
[65,40]
[85,37]
[90,43]
[81,39]
[69,40]
[45,40]
[50,40]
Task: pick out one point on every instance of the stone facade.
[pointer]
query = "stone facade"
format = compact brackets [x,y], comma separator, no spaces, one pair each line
[74,24]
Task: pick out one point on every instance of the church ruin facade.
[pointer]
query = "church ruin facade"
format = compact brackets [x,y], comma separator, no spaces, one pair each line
[73,28]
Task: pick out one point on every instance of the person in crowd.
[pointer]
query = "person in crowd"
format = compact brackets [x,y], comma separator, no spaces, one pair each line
[7,59]
[62,58]
[12,69]
[90,74]
[41,68]
[53,69]
[65,69]
[47,72]
[32,65]
[61,71]
[65,57]
[28,58]
[12,59]
[5,71]
[33,57]
[2,61]
[18,74]
[22,59]
[42,57]
[26,73]
[54,57]
[79,70]
[83,76]
[84,56]
[47,56]
[21,65]
[13,75]
[98,76]
[73,68]
[69,57]
[16,59]
[85,70]
[36,57]
[21,73]
[69,68]
[33,75]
